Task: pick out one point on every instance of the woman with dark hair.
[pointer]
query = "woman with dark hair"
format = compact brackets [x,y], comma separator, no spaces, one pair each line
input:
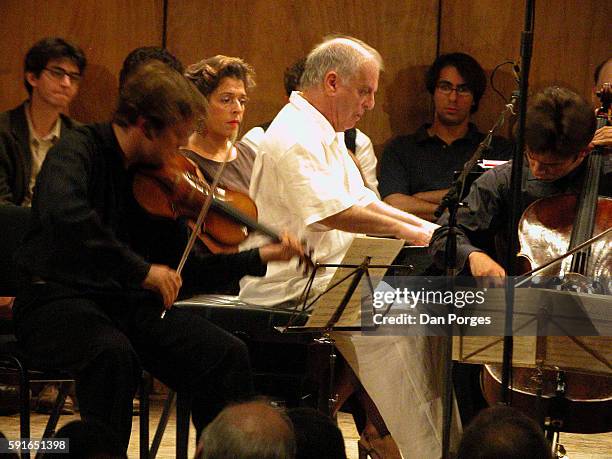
[224,82]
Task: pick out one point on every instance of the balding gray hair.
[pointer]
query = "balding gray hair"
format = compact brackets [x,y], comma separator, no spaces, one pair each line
[251,430]
[343,54]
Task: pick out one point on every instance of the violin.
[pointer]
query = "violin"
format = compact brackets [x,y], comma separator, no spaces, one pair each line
[548,228]
[177,190]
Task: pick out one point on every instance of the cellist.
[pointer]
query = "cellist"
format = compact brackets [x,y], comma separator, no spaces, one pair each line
[559,134]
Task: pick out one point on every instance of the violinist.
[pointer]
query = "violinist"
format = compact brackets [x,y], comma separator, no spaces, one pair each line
[224,81]
[559,130]
[98,272]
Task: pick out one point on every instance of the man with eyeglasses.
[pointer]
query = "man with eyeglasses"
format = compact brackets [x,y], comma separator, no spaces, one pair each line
[417,169]
[53,69]
[52,73]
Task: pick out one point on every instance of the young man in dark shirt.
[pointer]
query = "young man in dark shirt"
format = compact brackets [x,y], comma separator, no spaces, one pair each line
[53,70]
[416,170]
[559,130]
[98,269]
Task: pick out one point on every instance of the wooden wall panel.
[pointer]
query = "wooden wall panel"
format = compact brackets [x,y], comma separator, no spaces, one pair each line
[107,31]
[272,34]
[571,37]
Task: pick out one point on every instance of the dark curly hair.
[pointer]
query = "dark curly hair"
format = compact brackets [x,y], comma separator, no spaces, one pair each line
[469,69]
[144,54]
[208,73]
[559,121]
[48,49]
[292,76]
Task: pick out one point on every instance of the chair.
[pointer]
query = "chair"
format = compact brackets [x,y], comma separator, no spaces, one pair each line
[14,221]
[13,225]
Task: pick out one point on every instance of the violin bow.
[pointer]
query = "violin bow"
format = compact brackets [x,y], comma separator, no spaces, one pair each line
[203,212]
[528,275]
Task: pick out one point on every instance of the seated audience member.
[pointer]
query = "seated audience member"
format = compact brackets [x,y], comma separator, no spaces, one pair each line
[53,69]
[224,81]
[503,432]
[250,430]
[603,83]
[98,271]
[416,170]
[87,440]
[144,54]
[316,435]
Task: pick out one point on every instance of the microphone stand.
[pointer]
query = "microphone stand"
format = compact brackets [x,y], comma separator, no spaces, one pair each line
[452,202]
[516,193]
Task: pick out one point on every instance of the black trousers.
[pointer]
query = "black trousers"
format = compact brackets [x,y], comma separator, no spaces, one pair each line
[106,339]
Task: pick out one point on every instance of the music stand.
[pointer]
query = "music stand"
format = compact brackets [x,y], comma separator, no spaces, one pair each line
[337,307]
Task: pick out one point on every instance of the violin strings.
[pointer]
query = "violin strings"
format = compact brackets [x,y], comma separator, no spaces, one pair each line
[205,207]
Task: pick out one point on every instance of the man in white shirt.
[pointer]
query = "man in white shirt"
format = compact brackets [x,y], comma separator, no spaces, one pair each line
[304,179]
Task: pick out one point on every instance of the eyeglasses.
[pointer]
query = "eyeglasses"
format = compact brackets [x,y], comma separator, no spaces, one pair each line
[59,73]
[228,100]
[445,87]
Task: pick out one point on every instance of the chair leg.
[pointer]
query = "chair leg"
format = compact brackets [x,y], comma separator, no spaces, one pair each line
[57,409]
[183,414]
[24,403]
[163,422]
[145,390]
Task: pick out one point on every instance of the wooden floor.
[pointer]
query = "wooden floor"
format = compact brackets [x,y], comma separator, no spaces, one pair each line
[578,446]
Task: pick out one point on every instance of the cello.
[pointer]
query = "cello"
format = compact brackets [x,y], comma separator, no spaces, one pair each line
[574,402]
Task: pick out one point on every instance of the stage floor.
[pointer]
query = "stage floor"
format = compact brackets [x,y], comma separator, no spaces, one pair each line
[578,446]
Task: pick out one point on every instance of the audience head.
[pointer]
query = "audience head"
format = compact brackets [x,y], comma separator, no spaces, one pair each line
[603,72]
[503,432]
[145,54]
[292,76]
[340,80]
[467,68]
[88,440]
[250,430]
[316,435]
[54,67]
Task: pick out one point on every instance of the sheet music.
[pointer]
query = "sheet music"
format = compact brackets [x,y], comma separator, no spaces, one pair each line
[382,252]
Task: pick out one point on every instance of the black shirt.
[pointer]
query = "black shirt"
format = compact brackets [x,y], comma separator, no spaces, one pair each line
[419,162]
[88,233]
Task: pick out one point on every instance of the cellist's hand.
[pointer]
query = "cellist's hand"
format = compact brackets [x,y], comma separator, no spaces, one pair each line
[288,247]
[165,281]
[482,265]
[602,138]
